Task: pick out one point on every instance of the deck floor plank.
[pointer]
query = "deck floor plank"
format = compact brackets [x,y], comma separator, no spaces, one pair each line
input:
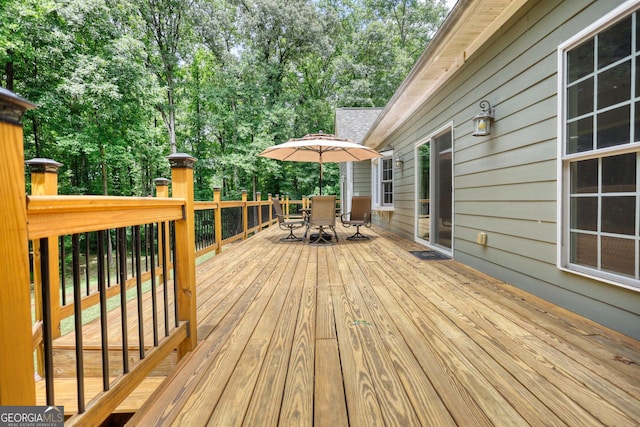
[199,405]
[362,333]
[237,393]
[495,340]
[394,402]
[265,404]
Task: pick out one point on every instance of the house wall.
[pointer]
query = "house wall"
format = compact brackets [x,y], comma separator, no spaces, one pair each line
[362,178]
[506,184]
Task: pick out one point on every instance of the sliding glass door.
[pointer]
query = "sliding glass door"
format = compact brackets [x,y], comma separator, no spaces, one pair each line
[434,190]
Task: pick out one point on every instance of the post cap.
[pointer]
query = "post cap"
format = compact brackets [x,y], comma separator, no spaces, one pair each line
[181,160]
[12,107]
[161,182]
[41,165]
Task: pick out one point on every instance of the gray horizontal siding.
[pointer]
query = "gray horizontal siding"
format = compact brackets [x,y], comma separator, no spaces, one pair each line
[362,178]
[506,184]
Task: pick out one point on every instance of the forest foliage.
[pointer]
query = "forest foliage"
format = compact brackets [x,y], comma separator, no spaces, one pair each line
[121,85]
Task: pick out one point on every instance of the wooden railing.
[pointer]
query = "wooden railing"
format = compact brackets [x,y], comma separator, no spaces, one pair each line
[87,250]
[50,217]
[127,220]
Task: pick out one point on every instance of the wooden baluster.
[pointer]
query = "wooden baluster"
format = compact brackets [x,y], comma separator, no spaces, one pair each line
[44,182]
[182,186]
[17,384]
[217,219]
[245,221]
[259,200]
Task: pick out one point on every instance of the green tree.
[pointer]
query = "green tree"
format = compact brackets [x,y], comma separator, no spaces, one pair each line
[119,85]
[166,24]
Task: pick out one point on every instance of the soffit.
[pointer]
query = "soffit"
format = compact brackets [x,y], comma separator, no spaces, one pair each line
[469,24]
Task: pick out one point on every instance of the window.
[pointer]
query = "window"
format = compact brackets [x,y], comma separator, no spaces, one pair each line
[382,171]
[600,107]
[386,184]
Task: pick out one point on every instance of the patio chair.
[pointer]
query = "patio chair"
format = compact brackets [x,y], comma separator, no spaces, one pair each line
[359,216]
[322,216]
[290,224]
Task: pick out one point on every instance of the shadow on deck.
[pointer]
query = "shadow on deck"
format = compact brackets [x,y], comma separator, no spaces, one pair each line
[365,333]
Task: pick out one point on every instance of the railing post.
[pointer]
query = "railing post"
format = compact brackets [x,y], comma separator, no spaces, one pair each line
[259,200]
[217,219]
[286,206]
[162,190]
[270,209]
[17,384]
[182,186]
[245,220]
[44,182]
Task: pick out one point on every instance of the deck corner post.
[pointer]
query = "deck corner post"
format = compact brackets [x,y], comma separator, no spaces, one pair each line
[245,222]
[217,219]
[17,384]
[182,187]
[269,197]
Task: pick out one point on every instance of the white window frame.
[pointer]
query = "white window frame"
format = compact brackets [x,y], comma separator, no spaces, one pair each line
[376,182]
[565,160]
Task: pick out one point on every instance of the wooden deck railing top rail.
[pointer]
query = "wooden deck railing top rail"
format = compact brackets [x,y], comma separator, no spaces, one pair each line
[59,215]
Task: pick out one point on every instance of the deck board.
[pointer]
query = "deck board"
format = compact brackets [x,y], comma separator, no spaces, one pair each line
[363,333]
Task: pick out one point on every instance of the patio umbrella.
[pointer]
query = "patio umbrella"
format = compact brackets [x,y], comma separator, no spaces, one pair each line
[320,148]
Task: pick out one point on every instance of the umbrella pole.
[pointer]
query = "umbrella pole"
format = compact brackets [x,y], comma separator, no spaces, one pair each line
[321,178]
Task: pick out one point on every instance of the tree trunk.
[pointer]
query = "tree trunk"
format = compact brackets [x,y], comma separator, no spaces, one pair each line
[9,72]
[103,168]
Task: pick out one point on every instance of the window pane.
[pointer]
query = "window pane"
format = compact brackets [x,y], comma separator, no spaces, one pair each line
[580,61]
[387,195]
[584,249]
[613,127]
[444,141]
[619,215]
[614,43]
[614,85]
[584,176]
[637,78]
[580,98]
[580,135]
[619,173]
[584,213]
[618,255]
[636,123]
[637,37]
[387,171]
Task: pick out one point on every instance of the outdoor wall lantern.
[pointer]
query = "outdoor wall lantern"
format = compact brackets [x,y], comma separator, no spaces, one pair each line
[482,121]
[399,162]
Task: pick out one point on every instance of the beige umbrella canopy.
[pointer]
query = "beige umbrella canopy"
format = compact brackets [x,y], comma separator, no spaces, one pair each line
[320,148]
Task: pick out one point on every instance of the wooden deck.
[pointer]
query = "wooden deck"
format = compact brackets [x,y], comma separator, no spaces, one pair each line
[364,334]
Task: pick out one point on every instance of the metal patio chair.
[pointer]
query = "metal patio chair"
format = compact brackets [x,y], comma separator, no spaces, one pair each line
[322,216]
[359,216]
[291,223]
